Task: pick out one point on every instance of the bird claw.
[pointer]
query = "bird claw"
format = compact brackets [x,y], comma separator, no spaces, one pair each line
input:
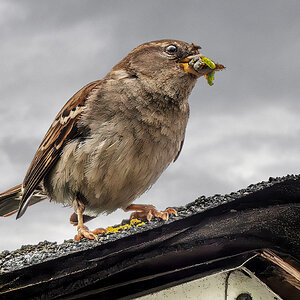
[83,231]
[149,211]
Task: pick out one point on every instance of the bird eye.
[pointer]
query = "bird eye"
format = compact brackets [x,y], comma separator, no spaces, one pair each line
[171,49]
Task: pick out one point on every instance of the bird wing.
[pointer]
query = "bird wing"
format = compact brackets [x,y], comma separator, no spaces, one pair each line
[180,148]
[61,131]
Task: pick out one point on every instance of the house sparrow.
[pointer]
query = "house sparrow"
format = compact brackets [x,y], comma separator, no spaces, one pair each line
[114,138]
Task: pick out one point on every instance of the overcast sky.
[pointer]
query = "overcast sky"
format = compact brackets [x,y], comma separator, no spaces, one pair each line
[242,130]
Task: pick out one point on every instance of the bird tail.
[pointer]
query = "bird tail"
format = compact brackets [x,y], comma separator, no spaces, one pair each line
[10,200]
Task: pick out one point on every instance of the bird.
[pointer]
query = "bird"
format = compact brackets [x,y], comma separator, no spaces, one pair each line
[114,138]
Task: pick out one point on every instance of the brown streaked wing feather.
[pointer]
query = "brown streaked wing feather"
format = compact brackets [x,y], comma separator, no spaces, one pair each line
[179,151]
[62,129]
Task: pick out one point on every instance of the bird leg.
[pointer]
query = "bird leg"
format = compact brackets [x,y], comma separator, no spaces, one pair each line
[82,230]
[74,219]
[142,211]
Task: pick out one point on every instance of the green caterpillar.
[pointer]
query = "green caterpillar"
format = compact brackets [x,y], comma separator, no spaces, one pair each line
[197,63]
[210,77]
[208,62]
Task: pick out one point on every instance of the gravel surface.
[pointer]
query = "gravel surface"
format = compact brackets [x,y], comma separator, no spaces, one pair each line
[33,254]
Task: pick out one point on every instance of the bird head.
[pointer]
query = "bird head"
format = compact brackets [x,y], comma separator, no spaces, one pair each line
[164,58]
[163,67]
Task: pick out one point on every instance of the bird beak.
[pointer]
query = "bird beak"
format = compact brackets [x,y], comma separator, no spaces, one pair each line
[193,64]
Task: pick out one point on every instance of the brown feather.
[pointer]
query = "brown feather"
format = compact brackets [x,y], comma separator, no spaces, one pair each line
[9,200]
[61,131]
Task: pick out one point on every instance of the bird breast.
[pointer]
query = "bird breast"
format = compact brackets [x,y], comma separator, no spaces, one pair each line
[124,154]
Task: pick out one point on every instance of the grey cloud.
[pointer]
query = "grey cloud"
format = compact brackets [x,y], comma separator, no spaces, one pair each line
[19,150]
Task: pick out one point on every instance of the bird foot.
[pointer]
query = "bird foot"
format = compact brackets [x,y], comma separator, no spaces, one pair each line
[149,211]
[83,231]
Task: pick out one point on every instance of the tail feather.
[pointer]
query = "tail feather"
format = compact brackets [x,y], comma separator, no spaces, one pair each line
[10,200]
